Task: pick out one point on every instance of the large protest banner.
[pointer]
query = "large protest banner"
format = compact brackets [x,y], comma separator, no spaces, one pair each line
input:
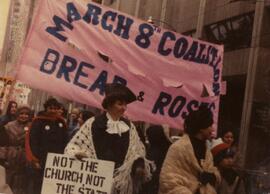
[75,47]
[65,175]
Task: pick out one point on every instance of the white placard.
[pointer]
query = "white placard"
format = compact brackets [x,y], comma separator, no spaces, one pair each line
[65,175]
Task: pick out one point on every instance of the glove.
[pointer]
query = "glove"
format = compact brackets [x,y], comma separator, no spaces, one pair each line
[207,177]
[138,168]
[80,155]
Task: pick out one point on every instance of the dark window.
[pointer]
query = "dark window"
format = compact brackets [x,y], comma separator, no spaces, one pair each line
[100,1]
[97,1]
[231,104]
[234,33]
[190,33]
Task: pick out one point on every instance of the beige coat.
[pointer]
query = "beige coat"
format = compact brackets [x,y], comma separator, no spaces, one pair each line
[181,169]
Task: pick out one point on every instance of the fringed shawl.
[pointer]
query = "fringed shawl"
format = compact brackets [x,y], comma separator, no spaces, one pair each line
[82,142]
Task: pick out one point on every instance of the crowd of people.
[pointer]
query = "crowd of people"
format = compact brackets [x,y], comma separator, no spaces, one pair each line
[152,164]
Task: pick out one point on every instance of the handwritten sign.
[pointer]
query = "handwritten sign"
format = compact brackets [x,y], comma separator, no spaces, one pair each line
[65,175]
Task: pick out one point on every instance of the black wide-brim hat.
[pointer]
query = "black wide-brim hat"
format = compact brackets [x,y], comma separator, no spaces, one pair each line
[116,91]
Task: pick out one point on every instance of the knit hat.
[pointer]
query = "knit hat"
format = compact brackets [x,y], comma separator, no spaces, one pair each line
[115,91]
[220,150]
[24,107]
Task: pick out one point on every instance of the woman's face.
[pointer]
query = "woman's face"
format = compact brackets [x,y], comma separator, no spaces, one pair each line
[23,116]
[13,108]
[228,138]
[118,108]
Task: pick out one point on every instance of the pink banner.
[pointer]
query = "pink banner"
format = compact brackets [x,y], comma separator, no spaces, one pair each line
[74,48]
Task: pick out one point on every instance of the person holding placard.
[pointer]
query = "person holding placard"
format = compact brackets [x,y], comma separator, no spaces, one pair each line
[112,137]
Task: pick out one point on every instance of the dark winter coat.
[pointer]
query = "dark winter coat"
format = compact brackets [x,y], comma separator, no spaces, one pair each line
[48,133]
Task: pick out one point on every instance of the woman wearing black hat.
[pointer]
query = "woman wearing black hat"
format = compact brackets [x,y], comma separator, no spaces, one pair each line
[188,167]
[112,137]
